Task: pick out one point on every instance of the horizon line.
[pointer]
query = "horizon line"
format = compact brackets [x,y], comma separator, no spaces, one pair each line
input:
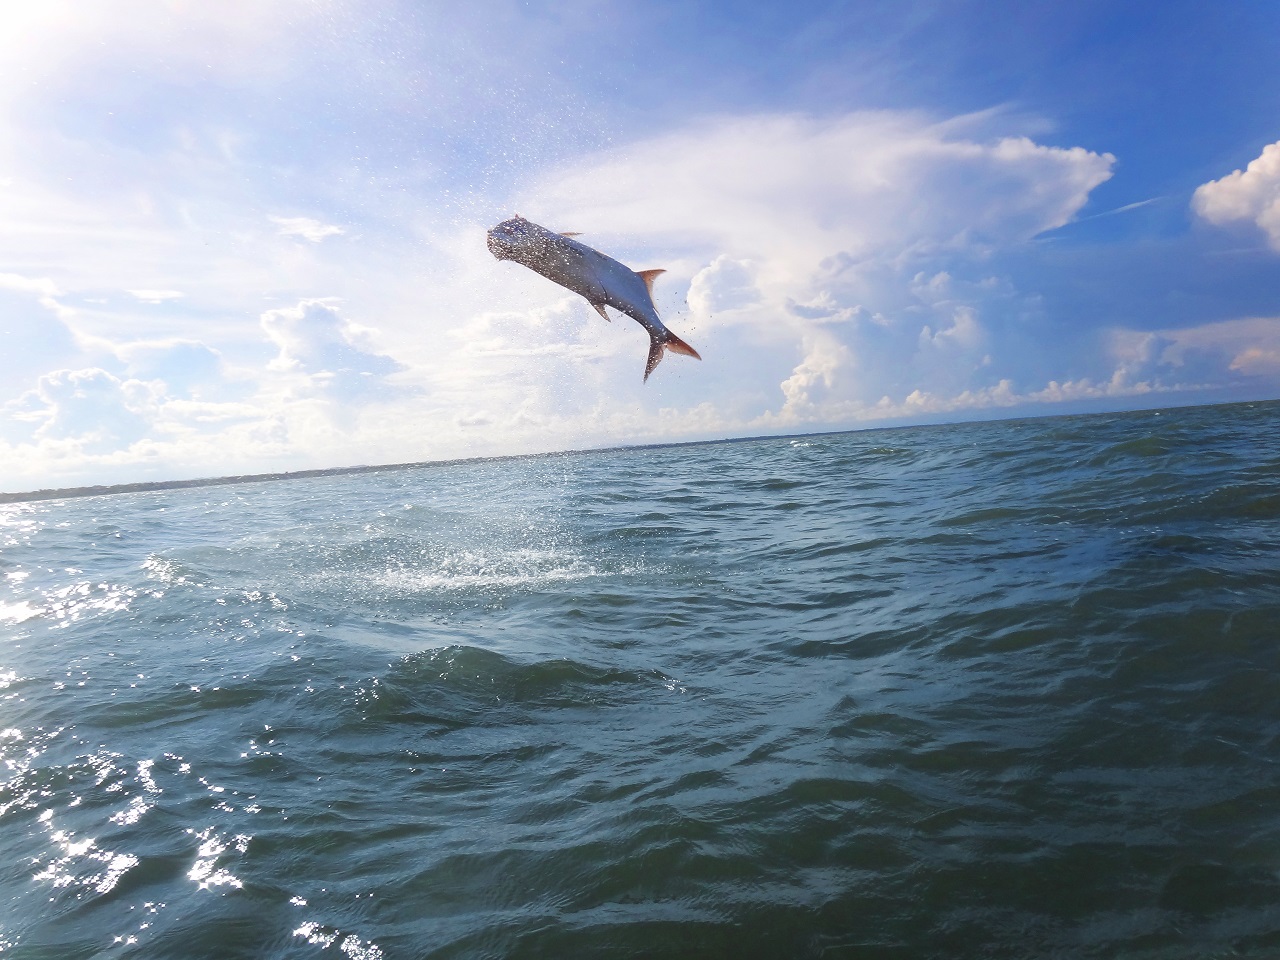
[147,486]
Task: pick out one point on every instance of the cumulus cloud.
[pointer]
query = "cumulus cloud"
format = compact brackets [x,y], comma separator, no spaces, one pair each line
[824,357]
[306,228]
[1247,346]
[801,188]
[90,407]
[36,335]
[724,284]
[851,248]
[1135,364]
[1143,362]
[1252,194]
[963,332]
[870,303]
[831,270]
[182,364]
[330,353]
[824,308]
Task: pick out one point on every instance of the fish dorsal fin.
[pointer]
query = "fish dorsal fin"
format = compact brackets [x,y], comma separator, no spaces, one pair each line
[648,276]
[600,310]
[571,233]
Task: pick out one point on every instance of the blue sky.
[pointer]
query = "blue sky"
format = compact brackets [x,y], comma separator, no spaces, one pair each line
[247,237]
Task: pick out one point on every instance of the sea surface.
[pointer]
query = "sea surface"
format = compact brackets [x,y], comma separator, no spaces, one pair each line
[988,690]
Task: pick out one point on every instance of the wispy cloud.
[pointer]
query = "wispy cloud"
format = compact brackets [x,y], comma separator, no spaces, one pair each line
[306,228]
[1137,205]
[43,286]
[157,296]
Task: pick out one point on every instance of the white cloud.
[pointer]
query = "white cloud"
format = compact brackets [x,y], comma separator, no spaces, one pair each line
[824,358]
[832,271]
[1252,194]
[847,251]
[156,296]
[825,263]
[37,337]
[1141,364]
[42,286]
[326,350]
[45,290]
[306,228]
[724,284]
[94,410]
[824,308]
[963,333]
[184,365]
[1249,346]
[798,189]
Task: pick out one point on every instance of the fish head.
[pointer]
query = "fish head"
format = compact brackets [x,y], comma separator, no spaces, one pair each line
[512,238]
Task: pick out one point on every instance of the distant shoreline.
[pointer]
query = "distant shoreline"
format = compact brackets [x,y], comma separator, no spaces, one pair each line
[144,486]
[69,493]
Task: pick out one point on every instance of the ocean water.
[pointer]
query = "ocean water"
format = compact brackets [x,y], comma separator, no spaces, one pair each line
[990,690]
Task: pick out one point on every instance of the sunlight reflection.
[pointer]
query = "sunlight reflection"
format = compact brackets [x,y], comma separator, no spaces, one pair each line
[324,936]
[18,612]
[83,863]
[205,871]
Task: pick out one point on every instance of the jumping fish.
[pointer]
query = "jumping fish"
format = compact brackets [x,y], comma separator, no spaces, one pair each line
[602,280]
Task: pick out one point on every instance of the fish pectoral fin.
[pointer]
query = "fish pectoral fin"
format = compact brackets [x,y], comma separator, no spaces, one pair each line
[648,277]
[571,233]
[600,310]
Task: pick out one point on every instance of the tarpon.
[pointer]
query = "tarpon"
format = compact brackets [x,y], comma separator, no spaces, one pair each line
[601,280]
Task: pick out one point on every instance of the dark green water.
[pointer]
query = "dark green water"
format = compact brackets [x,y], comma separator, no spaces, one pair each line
[993,690]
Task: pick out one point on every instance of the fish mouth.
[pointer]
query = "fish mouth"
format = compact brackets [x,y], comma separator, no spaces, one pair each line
[499,246]
[504,239]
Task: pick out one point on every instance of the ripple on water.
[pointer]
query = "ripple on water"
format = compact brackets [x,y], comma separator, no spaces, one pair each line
[982,690]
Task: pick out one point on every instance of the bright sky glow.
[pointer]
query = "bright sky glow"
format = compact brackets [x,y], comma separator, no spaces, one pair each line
[249,237]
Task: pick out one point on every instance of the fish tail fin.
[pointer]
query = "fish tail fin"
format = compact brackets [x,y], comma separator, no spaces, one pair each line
[676,345]
[658,345]
[655,355]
